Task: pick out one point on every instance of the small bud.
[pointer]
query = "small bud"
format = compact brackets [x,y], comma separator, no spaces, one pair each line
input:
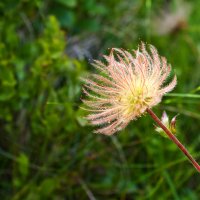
[170,125]
[165,119]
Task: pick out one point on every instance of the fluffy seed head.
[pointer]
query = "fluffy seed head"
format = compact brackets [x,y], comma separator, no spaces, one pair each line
[125,87]
[172,21]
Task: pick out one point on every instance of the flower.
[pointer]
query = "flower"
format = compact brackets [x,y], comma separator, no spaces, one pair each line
[172,21]
[125,87]
[171,125]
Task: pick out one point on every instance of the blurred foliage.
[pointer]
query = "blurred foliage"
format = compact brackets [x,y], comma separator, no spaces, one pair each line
[46,149]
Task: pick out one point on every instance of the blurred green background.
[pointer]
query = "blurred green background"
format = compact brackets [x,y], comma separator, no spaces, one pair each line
[47,149]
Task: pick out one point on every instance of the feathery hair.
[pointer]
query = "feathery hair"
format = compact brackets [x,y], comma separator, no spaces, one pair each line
[125,87]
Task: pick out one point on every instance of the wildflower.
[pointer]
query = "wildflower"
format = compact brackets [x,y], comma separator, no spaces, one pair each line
[126,87]
[171,125]
[172,21]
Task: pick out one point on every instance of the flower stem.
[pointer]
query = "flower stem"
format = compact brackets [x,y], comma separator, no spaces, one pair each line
[174,139]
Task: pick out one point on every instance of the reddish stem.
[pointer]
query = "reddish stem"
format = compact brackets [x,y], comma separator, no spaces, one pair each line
[174,139]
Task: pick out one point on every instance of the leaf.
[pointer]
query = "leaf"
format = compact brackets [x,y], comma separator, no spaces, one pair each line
[23,162]
[48,186]
[68,3]
[66,17]
[7,77]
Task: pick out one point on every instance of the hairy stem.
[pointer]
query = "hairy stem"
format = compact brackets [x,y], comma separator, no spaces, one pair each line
[174,139]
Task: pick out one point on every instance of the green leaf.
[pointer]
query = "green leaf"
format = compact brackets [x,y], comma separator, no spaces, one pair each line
[48,186]
[68,3]
[23,162]
[7,77]
[65,17]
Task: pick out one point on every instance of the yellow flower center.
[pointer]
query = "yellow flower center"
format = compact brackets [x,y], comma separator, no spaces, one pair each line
[133,101]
